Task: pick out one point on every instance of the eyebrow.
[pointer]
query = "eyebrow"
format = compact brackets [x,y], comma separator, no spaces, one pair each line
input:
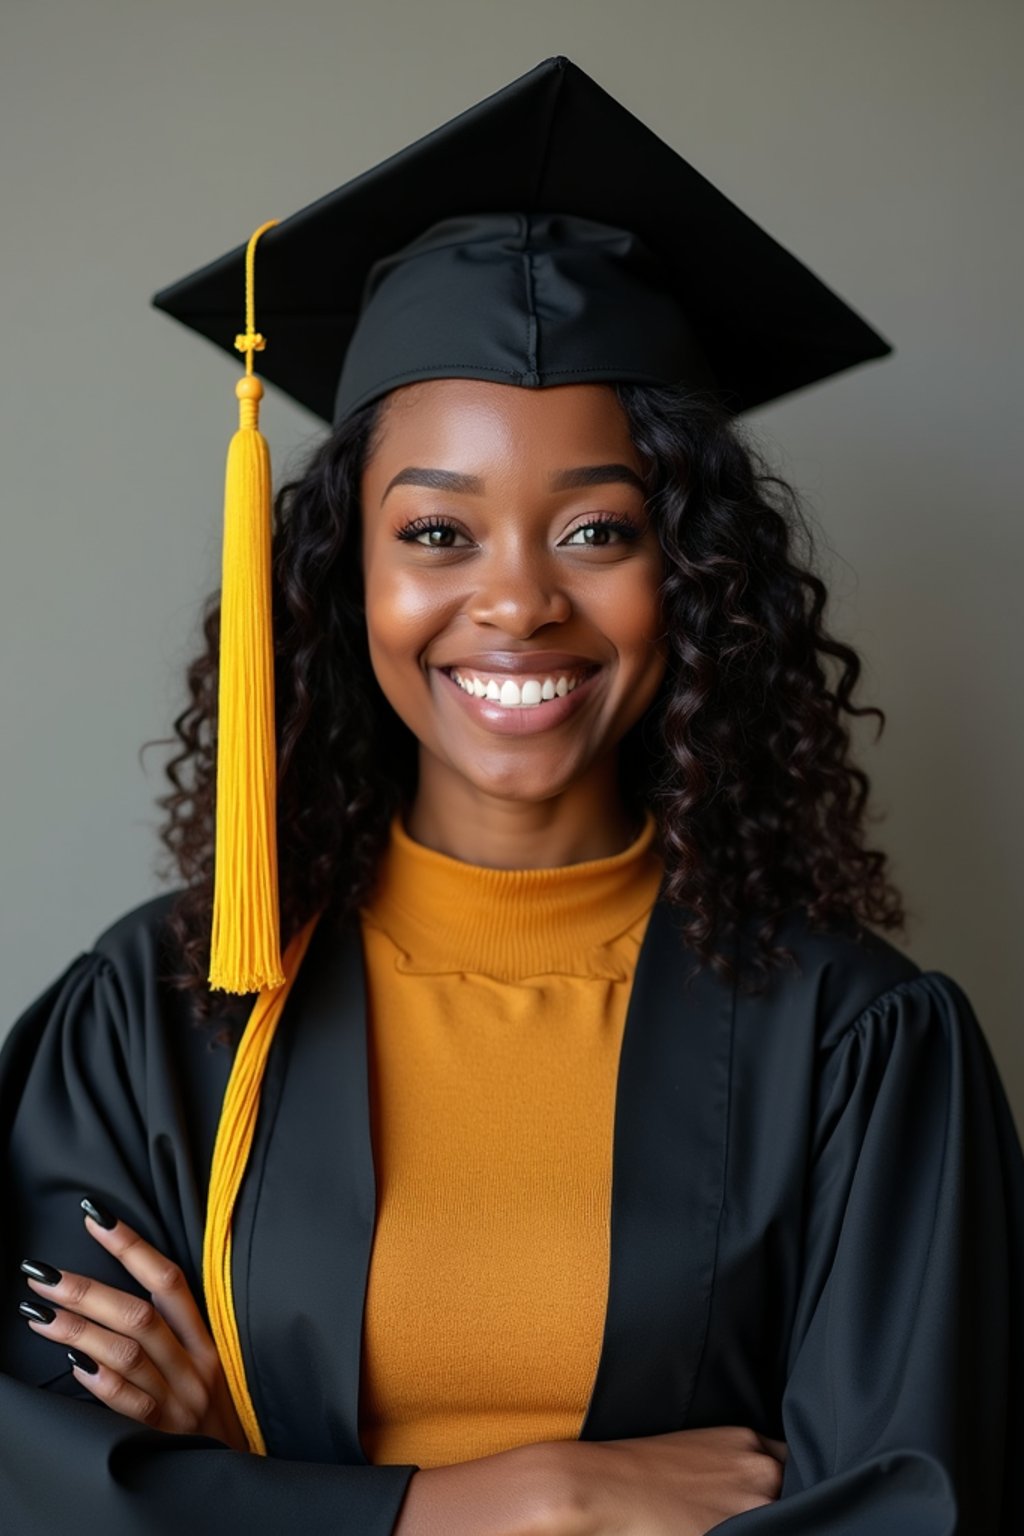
[560,480]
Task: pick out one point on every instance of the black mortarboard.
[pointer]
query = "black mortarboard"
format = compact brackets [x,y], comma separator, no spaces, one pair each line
[544,236]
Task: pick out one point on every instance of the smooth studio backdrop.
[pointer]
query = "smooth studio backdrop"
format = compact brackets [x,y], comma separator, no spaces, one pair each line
[140,139]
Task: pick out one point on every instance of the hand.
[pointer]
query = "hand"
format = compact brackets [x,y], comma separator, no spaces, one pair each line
[156,1360]
[679,1484]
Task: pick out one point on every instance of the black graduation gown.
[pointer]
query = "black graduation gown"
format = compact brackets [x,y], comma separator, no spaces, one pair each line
[817,1231]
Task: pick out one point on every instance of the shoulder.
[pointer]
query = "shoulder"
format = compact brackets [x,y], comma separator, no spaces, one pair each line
[122,977]
[95,1015]
[138,937]
[120,990]
[836,975]
[853,1008]
[141,955]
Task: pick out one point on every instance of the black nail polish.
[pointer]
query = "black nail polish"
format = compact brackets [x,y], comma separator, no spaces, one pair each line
[99,1213]
[37,1310]
[83,1361]
[40,1271]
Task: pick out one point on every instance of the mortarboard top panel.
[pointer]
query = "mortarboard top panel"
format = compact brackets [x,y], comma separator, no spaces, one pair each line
[552,141]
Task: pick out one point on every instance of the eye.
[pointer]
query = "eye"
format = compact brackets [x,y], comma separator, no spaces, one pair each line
[429,532]
[599,530]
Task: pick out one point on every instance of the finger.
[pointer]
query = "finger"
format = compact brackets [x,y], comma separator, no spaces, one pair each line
[136,1317]
[111,1388]
[123,1355]
[778,1448]
[159,1275]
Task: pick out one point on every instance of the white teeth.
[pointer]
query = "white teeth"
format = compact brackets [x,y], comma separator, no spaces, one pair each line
[512,695]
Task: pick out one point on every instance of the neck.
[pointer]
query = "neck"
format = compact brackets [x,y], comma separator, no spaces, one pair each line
[588,820]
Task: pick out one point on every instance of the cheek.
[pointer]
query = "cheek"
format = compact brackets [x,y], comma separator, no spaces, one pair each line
[403,614]
[632,621]
[629,611]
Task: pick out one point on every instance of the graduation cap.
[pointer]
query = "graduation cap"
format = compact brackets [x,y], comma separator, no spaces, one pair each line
[544,236]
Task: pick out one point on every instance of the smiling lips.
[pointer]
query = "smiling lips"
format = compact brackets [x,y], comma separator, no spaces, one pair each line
[519,679]
[516,692]
[521,692]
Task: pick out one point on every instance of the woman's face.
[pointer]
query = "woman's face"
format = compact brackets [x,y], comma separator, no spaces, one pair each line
[511,580]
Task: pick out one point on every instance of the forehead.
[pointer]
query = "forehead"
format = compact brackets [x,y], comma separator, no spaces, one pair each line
[464,419]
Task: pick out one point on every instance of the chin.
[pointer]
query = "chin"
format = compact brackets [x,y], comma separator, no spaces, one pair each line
[519,783]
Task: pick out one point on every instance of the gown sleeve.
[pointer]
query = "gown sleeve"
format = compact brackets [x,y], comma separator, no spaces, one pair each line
[71,1122]
[903,1408]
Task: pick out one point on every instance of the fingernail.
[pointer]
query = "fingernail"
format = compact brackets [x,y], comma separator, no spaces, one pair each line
[36,1310]
[42,1272]
[99,1213]
[83,1361]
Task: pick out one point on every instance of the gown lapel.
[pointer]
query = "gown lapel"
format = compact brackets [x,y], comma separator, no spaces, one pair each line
[304,1221]
[668,1184]
[305,1218]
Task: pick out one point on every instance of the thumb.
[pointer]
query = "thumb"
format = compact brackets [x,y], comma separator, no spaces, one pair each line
[777,1448]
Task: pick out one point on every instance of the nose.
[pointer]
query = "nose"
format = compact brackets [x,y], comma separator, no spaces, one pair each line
[519,598]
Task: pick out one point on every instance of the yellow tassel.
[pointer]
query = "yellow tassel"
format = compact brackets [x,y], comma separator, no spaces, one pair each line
[230,1158]
[245,951]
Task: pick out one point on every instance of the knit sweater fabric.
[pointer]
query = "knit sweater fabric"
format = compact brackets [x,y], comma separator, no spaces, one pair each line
[496,1000]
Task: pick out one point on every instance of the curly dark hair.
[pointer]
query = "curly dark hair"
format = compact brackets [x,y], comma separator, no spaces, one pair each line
[743,755]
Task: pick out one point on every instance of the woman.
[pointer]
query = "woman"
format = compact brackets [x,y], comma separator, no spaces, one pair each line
[609,1172]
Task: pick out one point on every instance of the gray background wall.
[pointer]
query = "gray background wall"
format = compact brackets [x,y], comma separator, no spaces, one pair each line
[879,141]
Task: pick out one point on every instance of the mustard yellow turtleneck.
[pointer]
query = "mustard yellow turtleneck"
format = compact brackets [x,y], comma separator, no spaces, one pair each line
[496,1005]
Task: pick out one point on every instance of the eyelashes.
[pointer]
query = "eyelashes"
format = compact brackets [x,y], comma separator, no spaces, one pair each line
[611,522]
[411,532]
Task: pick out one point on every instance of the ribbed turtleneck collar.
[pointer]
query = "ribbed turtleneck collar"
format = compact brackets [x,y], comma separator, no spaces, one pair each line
[447,915]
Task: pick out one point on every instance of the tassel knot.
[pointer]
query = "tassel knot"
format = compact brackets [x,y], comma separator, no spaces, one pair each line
[250,342]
